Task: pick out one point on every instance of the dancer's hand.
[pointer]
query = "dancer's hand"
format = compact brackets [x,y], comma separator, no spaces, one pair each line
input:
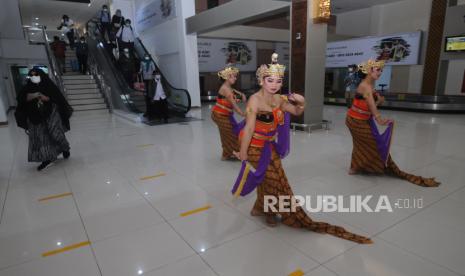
[298,99]
[241,155]
[380,100]
[383,121]
[244,98]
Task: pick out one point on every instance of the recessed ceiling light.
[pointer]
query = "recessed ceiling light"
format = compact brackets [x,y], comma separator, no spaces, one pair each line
[89,4]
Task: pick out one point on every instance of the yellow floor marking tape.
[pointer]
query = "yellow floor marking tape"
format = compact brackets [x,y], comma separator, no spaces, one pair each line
[298,272]
[152,176]
[195,211]
[66,248]
[55,196]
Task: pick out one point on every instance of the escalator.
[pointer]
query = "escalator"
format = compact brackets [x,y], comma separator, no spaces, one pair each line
[122,95]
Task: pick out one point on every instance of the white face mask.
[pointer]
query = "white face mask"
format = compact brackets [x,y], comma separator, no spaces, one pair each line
[157,77]
[105,10]
[128,24]
[35,79]
[147,58]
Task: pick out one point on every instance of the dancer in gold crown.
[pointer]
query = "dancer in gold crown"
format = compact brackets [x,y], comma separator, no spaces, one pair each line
[268,119]
[371,149]
[223,112]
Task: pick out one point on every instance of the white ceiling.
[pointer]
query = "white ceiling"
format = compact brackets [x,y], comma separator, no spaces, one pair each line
[50,12]
[340,6]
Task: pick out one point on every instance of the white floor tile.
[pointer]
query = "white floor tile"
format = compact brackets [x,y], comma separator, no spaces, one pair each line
[259,253]
[141,250]
[383,259]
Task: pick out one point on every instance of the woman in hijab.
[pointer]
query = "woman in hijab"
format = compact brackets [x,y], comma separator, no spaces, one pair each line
[44,113]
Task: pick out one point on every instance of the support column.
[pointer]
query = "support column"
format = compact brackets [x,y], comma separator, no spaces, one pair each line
[308,60]
[434,47]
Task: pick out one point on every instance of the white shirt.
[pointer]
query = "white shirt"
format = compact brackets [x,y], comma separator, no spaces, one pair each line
[67,26]
[128,34]
[159,92]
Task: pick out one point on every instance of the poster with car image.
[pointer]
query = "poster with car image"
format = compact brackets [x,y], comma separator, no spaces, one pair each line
[397,49]
[215,54]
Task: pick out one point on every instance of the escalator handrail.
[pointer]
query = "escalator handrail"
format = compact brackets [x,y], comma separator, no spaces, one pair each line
[56,73]
[166,80]
[185,109]
[117,74]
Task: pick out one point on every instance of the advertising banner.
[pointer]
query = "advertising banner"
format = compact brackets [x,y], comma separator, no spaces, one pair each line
[215,54]
[154,13]
[398,49]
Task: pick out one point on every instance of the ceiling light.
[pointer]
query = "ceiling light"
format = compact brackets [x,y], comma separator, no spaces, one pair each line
[89,4]
[37,18]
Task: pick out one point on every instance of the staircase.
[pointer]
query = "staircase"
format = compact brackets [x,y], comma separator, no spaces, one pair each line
[82,91]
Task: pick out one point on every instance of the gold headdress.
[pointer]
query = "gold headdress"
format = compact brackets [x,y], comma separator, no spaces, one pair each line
[228,71]
[273,69]
[366,66]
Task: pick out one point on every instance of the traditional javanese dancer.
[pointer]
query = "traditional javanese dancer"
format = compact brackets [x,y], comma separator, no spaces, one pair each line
[371,149]
[223,112]
[264,142]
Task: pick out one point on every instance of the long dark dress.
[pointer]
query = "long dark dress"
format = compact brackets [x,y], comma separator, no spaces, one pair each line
[45,122]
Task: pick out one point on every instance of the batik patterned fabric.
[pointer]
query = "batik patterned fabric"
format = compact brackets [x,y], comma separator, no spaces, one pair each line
[263,171]
[371,152]
[47,140]
[229,140]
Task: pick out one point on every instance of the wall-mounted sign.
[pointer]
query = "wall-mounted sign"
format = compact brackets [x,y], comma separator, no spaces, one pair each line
[154,13]
[399,49]
[215,54]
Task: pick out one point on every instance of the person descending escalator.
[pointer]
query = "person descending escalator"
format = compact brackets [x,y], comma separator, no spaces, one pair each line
[127,66]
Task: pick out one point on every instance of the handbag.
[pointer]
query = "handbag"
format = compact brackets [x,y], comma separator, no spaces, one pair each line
[139,85]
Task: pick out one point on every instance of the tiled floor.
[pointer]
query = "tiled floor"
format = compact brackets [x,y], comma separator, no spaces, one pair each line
[130,183]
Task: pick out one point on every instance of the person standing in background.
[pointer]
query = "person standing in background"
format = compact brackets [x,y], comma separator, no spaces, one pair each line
[127,66]
[147,70]
[67,26]
[59,48]
[126,36]
[82,54]
[351,83]
[116,22]
[105,22]
[160,104]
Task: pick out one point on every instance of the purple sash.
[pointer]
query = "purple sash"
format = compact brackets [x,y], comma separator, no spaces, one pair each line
[383,140]
[249,177]
[236,127]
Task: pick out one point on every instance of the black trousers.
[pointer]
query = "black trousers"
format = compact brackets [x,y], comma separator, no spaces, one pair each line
[70,36]
[82,60]
[160,109]
[106,31]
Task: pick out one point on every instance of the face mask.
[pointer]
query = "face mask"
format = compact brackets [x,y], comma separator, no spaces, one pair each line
[35,79]
[83,41]
[128,24]
[105,10]
[147,58]
[350,70]
[157,77]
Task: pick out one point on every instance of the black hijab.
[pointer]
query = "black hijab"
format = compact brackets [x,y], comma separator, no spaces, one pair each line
[35,113]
